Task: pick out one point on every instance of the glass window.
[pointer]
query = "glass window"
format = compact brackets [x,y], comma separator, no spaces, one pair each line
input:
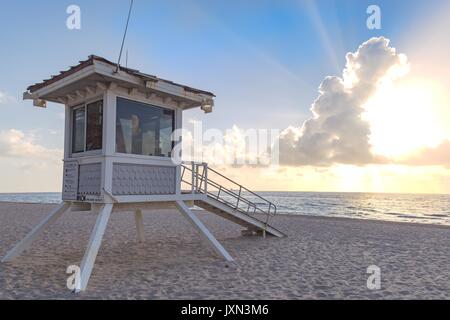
[87,127]
[78,133]
[143,129]
[94,126]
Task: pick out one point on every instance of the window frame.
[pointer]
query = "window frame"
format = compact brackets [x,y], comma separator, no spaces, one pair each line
[84,106]
[150,104]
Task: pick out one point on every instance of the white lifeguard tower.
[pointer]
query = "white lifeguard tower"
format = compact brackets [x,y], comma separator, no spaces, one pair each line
[118,155]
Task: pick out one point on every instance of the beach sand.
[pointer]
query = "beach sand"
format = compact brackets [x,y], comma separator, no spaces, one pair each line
[322,258]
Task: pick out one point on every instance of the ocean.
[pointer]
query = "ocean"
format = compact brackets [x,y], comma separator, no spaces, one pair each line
[418,208]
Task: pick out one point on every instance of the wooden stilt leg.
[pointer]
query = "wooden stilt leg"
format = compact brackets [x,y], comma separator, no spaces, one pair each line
[201,228]
[139,225]
[87,264]
[36,232]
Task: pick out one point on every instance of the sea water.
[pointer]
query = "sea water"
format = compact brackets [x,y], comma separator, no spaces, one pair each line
[418,208]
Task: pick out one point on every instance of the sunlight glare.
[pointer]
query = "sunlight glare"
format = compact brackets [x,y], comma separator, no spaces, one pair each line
[407,116]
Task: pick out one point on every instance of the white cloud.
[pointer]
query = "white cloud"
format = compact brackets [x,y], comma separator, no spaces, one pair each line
[6,98]
[336,133]
[26,165]
[16,144]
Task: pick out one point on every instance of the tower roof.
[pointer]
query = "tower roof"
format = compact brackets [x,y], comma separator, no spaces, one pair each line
[98,71]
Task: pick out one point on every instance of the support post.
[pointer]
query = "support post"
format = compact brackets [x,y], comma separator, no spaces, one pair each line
[36,232]
[193,177]
[205,168]
[87,264]
[139,225]
[204,232]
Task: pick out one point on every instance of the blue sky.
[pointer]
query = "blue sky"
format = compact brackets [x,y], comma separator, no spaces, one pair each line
[263,59]
[222,46]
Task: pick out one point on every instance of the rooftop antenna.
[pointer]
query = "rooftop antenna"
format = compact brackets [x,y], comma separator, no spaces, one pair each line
[124,36]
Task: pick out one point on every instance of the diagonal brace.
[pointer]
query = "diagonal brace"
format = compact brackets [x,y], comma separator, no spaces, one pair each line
[87,264]
[204,232]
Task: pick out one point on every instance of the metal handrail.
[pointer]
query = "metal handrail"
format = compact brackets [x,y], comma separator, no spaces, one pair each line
[241,187]
[202,183]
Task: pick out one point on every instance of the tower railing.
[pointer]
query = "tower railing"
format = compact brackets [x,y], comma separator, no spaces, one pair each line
[200,178]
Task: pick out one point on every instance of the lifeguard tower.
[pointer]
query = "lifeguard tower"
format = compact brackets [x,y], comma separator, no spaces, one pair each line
[118,155]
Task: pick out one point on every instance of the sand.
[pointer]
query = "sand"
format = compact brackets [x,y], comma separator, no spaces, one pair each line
[322,258]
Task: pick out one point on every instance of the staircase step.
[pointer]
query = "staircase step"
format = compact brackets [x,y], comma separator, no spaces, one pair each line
[243,219]
[219,202]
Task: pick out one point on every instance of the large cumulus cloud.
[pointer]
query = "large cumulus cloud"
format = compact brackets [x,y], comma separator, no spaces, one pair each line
[337,133]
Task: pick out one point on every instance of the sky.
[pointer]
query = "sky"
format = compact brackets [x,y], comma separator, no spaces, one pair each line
[273,65]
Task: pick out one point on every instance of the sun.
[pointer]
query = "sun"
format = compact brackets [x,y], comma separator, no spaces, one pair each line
[406,116]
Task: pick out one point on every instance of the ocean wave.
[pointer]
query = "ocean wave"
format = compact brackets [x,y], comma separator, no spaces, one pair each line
[390,207]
